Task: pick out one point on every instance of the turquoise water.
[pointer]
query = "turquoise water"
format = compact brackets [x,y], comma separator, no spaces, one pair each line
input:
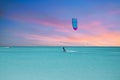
[50,63]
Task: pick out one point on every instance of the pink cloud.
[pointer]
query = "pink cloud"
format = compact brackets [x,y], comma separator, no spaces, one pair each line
[101,35]
[94,27]
[115,12]
[106,39]
[50,22]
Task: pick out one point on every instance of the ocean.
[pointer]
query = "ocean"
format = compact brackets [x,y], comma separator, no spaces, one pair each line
[51,63]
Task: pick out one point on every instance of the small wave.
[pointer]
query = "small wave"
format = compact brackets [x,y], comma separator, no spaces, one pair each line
[71,51]
[7,47]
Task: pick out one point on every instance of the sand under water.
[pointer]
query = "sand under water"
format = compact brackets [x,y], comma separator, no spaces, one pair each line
[51,63]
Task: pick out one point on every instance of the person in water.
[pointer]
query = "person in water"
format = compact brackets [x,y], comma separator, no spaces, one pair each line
[64,49]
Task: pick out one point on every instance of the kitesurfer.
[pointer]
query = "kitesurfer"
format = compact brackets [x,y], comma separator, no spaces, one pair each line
[64,49]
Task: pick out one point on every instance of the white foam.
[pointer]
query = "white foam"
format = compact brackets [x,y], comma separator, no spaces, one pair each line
[71,51]
[7,47]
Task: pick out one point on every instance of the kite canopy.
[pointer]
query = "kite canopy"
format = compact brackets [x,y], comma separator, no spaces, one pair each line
[74,23]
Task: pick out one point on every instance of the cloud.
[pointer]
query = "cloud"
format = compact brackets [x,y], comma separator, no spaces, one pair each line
[115,12]
[106,39]
[88,33]
[93,27]
[50,22]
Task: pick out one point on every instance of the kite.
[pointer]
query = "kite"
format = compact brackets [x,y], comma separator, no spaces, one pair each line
[74,23]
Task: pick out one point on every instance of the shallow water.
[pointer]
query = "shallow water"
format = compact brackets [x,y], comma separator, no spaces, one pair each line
[51,63]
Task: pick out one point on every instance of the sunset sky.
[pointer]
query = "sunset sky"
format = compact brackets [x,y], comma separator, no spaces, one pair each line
[48,22]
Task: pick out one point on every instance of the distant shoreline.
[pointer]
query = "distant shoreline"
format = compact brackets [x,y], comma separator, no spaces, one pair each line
[60,46]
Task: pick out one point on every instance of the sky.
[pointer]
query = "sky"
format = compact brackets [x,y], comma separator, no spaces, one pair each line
[49,22]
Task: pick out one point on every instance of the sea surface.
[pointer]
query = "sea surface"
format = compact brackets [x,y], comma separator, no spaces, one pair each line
[51,63]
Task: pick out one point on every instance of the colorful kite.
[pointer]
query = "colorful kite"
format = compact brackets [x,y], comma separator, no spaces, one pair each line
[74,23]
